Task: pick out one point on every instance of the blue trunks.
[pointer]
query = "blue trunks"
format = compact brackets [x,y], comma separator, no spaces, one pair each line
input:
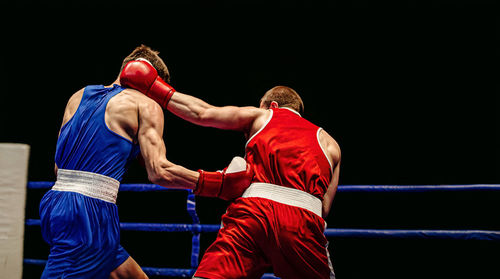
[81,227]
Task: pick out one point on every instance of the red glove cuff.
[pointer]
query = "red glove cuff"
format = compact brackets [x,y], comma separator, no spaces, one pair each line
[209,184]
[161,92]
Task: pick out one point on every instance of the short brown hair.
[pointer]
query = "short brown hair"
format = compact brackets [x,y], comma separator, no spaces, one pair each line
[285,97]
[151,55]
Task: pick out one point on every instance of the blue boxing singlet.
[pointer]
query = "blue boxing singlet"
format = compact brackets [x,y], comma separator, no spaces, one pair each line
[87,144]
[79,217]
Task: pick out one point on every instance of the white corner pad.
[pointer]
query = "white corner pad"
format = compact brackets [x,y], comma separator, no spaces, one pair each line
[13,180]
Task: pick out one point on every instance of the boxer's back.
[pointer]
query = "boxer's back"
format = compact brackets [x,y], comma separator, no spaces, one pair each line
[96,132]
[287,152]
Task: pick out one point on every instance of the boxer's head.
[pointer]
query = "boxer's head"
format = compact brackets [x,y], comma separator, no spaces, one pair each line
[151,55]
[282,96]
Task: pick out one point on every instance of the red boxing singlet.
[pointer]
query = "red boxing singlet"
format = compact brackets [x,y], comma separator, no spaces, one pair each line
[277,222]
[286,152]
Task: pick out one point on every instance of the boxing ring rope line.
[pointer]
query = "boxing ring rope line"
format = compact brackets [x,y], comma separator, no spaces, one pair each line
[137,187]
[196,228]
[329,232]
[151,271]
[417,188]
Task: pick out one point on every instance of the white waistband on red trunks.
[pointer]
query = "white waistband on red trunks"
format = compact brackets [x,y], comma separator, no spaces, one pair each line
[90,184]
[285,195]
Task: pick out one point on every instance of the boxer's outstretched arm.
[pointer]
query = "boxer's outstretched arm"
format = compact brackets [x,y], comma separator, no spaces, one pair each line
[160,170]
[142,76]
[201,113]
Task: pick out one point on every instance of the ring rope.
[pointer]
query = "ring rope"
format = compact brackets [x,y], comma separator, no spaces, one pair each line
[134,187]
[152,271]
[330,232]
[418,188]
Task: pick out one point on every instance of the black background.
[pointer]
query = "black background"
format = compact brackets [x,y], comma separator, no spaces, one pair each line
[410,96]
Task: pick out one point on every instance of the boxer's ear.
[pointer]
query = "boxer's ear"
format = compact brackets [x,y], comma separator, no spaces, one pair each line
[274,104]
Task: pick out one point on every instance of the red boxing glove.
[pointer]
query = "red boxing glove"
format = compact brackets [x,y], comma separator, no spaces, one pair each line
[141,75]
[227,184]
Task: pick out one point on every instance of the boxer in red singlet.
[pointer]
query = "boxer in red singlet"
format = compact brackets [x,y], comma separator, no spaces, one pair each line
[279,220]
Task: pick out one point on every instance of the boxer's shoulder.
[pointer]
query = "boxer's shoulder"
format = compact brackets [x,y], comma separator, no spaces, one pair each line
[262,116]
[330,145]
[76,97]
[72,105]
[133,99]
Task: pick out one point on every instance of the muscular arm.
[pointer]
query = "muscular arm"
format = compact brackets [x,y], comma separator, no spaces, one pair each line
[160,170]
[201,113]
[142,76]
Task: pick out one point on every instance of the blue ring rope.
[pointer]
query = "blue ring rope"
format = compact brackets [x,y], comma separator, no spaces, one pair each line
[418,188]
[196,228]
[330,232]
[342,188]
[151,271]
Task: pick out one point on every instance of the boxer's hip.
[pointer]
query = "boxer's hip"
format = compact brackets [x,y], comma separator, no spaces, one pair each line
[83,234]
[80,210]
[89,184]
[285,195]
[266,207]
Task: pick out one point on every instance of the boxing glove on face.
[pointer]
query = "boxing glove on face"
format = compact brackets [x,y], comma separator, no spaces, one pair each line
[227,184]
[142,76]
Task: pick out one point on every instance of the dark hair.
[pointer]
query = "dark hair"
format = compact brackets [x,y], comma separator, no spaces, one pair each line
[151,55]
[285,97]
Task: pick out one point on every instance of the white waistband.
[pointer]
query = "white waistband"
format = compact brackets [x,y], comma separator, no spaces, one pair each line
[285,195]
[90,184]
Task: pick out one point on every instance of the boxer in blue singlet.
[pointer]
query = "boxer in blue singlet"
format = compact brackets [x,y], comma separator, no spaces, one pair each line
[80,212]
[103,127]
[102,130]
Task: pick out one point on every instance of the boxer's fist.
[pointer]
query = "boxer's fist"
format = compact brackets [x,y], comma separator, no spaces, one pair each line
[227,184]
[142,76]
